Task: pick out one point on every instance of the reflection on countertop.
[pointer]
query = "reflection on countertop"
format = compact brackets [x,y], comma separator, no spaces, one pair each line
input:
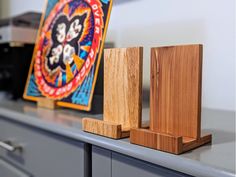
[62,116]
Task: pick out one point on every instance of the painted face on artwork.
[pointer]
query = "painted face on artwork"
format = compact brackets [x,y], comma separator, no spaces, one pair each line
[65,41]
[61,32]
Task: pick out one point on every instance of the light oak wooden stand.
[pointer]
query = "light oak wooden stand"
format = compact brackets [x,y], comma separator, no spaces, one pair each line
[122,94]
[175,101]
[47,103]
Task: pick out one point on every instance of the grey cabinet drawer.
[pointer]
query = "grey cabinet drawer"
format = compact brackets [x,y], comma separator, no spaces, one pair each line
[44,154]
[127,166]
[101,162]
[8,170]
[106,163]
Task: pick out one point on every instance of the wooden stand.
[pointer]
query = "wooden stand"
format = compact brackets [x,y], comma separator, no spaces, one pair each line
[122,94]
[46,103]
[175,101]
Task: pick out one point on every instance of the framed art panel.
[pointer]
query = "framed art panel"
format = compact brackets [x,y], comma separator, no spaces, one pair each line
[67,53]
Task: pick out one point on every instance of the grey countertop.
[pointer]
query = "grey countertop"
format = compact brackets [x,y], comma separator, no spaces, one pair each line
[216,159]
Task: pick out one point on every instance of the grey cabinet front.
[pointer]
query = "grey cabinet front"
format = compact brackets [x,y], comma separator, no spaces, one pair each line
[106,163]
[127,166]
[44,154]
[101,162]
[8,170]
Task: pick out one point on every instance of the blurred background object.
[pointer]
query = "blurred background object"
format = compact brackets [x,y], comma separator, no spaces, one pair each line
[17,38]
[20,29]
[154,23]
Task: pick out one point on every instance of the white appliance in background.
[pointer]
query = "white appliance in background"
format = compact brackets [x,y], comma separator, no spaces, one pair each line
[21,29]
[17,34]
[17,38]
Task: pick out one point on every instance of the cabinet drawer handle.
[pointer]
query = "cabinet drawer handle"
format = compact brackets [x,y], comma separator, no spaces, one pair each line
[7,145]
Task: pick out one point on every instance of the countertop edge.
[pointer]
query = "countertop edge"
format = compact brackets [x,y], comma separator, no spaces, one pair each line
[166,160]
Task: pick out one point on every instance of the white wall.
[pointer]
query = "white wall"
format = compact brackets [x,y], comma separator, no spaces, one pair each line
[152,23]
[15,7]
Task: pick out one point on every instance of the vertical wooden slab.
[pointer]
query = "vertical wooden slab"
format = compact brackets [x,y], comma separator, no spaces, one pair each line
[123,86]
[176,74]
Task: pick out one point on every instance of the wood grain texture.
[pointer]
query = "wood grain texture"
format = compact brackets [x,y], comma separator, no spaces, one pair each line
[176,90]
[103,128]
[46,103]
[160,141]
[165,142]
[143,137]
[175,101]
[122,94]
[196,143]
[123,86]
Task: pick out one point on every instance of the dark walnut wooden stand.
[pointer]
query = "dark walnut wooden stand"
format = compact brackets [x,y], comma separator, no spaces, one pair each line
[175,101]
[122,94]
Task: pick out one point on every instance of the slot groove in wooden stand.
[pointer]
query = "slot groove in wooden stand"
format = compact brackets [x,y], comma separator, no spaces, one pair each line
[175,101]
[122,94]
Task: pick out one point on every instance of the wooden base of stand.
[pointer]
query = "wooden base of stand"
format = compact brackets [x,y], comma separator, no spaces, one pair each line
[103,128]
[47,103]
[122,94]
[165,142]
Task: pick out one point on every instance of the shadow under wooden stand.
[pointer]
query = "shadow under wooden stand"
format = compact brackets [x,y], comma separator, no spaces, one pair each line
[122,94]
[175,101]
